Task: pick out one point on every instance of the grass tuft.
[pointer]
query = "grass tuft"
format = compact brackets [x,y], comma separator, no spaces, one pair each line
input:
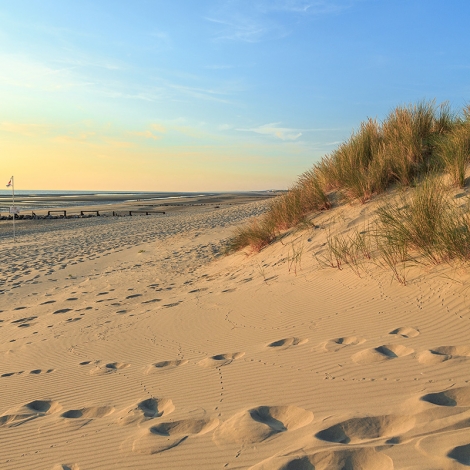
[412,142]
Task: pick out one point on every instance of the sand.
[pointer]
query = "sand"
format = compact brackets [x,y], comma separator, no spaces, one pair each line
[133,343]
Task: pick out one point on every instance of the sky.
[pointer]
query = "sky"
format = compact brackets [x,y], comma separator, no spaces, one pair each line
[211,95]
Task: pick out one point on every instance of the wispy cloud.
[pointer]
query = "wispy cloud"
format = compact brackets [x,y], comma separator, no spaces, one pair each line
[238,27]
[21,71]
[81,137]
[311,7]
[284,133]
[158,127]
[238,20]
[224,127]
[273,129]
[24,129]
[146,135]
[150,133]
[219,67]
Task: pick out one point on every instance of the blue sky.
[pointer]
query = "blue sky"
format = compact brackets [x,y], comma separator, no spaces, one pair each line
[211,95]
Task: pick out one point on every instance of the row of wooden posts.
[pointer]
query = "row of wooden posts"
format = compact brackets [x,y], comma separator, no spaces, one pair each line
[115,213]
[82,213]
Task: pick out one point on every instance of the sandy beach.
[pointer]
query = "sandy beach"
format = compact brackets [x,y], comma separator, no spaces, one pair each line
[134,343]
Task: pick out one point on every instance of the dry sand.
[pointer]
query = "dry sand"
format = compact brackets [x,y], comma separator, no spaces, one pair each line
[132,344]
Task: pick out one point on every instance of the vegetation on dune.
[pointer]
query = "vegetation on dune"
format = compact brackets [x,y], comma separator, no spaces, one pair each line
[425,225]
[412,143]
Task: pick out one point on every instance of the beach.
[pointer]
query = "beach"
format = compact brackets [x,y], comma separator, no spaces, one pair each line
[137,343]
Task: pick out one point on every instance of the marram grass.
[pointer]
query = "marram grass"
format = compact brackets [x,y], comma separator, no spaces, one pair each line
[412,142]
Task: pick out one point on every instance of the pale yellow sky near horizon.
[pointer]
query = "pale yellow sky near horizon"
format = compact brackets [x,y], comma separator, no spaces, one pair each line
[158,158]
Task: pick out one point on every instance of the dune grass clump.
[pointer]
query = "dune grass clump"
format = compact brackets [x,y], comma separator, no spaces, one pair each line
[428,223]
[454,150]
[423,226]
[257,234]
[411,142]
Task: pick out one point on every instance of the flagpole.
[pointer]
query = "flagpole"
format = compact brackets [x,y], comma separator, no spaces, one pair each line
[13,195]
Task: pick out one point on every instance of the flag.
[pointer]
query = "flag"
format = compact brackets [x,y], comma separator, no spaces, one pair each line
[9,182]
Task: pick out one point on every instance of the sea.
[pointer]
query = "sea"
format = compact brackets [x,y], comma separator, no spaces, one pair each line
[43,199]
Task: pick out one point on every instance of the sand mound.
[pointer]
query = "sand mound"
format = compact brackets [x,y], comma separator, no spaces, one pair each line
[406,332]
[349,340]
[443,353]
[165,365]
[42,407]
[29,411]
[286,343]
[347,459]
[220,360]
[88,413]
[382,353]
[453,397]
[165,436]
[147,409]
[364,429]
[108,368]
[257,424]
[461,454]
[156,407]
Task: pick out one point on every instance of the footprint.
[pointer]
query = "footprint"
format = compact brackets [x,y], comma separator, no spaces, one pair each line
[156,407]
[148,409]
[357,430]
[349,340]
[461,454]
[166,365]
[220,360]
[443,353]
[174,304]
[109,368]
[151,301]
[382,353]
[258,424]
[286,343]
[453,397]
[41,371]
[31,410]
[88,413]
[63,466]
[351,459]
[62,310]
[406,332]
[165,436]
[24,320]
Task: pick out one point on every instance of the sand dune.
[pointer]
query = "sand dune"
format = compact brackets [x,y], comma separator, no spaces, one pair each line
[133,344]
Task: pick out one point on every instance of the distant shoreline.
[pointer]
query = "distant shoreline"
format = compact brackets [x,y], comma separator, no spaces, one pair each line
[44,200]
[33,218]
